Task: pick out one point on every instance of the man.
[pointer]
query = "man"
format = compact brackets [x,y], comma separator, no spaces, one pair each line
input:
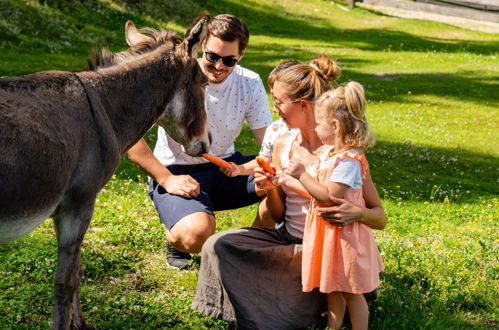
[186,190]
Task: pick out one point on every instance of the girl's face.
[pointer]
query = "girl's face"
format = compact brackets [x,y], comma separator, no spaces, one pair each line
[288,110]
[326,129]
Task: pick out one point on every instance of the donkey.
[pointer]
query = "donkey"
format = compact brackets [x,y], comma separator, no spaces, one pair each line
[62,135]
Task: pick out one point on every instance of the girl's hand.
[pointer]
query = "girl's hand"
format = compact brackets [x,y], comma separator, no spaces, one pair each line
[234,170]
[263,180]
[281,178]
[341,214]
[295,168]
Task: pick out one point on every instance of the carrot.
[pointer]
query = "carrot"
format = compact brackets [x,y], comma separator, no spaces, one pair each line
[265,165]
[216,160]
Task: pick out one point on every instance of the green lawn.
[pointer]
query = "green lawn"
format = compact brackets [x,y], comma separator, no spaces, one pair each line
[433,103]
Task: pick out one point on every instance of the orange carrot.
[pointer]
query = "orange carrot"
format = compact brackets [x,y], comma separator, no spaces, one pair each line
[265,165]
[216,160]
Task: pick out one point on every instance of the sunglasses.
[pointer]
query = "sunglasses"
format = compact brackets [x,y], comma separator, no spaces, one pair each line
[226,60]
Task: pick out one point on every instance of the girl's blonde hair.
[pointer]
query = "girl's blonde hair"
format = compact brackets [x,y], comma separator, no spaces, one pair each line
[347,104]
[308,81]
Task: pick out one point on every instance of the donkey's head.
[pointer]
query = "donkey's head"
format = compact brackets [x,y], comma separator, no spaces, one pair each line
[184,117]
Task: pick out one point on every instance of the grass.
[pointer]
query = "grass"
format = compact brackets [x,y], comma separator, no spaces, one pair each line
[432,102]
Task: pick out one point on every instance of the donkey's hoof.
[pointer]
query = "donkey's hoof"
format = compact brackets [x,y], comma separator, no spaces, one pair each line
[84,326]
[88,326]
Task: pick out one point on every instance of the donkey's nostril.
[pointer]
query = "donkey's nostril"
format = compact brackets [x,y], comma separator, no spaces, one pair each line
[209,137]
[204,147]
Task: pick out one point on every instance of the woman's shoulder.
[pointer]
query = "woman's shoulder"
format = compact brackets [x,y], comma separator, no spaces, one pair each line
[284,138]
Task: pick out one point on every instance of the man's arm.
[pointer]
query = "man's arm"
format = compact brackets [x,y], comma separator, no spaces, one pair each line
[259,133]
[143,157]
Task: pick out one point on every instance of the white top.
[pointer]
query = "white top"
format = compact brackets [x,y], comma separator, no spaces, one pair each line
[273,131]
[241,96]
[296,205]
[347,171]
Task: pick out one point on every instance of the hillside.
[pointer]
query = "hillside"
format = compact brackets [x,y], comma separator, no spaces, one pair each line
[432,102]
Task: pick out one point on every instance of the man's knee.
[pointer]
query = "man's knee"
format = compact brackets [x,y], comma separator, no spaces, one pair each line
[190,233]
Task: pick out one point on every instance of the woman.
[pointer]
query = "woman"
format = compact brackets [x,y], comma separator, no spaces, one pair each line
[252,276]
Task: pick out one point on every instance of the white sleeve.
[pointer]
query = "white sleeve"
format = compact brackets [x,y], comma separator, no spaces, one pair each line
[347,171]
[268,142]
[258,112]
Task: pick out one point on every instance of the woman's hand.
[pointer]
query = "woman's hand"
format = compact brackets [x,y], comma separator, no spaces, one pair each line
[341,214]
[263,180]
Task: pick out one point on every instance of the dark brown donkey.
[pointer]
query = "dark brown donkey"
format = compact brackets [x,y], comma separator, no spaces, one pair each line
[62,135]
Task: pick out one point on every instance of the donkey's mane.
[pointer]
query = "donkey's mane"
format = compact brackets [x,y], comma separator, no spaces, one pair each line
[107,58]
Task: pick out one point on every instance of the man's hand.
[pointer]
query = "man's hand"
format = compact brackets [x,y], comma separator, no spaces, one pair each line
[232,171]
[342,214]
[181,185]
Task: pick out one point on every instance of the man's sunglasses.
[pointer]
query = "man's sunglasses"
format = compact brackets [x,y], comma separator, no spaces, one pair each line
[226,60]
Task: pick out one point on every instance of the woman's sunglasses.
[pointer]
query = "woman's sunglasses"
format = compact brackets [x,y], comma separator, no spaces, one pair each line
[226,60]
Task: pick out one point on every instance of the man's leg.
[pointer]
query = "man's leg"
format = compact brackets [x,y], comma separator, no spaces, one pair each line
[189,222]
[190,232]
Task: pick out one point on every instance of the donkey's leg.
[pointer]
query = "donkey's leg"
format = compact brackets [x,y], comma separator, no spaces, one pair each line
[78,321]
[71,225]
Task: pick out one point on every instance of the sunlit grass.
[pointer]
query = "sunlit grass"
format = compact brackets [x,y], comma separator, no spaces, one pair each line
[432,102]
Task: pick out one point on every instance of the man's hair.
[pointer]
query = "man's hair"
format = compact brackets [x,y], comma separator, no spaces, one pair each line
[229,28]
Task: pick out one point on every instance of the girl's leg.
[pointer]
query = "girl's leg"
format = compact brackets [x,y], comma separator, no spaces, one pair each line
[358,310]
[336,306]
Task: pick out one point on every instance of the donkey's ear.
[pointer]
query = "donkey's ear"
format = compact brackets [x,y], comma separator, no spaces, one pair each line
[133,36]
[196,34]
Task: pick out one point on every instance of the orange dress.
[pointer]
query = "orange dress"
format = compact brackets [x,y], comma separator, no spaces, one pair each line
[343,259]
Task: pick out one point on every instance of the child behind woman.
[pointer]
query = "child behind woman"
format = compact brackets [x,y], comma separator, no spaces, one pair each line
[343,262]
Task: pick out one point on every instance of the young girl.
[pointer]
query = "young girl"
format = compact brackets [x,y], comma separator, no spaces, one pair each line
[343,262]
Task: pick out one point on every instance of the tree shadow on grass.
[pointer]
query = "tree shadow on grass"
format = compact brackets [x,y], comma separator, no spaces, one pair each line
[78,38]
[468,86]
[274,20]
[419,173]
[404,171]
[269,20]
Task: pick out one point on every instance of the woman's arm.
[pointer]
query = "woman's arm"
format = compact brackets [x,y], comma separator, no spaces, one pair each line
[344,212]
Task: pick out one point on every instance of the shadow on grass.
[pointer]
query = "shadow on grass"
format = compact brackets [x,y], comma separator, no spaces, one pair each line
[466,86]
[274,20]
[97,25]
[401,171]
[417,173]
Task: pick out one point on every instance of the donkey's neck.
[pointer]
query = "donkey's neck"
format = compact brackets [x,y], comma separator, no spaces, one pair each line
[134,95]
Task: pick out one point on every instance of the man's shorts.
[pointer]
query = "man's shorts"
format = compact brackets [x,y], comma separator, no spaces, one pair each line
[218,191]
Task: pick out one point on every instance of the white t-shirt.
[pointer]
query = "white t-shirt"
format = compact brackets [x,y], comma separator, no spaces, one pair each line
[241,96]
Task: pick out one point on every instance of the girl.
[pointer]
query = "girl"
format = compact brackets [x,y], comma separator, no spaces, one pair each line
[343,262]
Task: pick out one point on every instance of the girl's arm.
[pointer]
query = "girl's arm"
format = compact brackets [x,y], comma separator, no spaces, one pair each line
[317,190]
[292,184]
